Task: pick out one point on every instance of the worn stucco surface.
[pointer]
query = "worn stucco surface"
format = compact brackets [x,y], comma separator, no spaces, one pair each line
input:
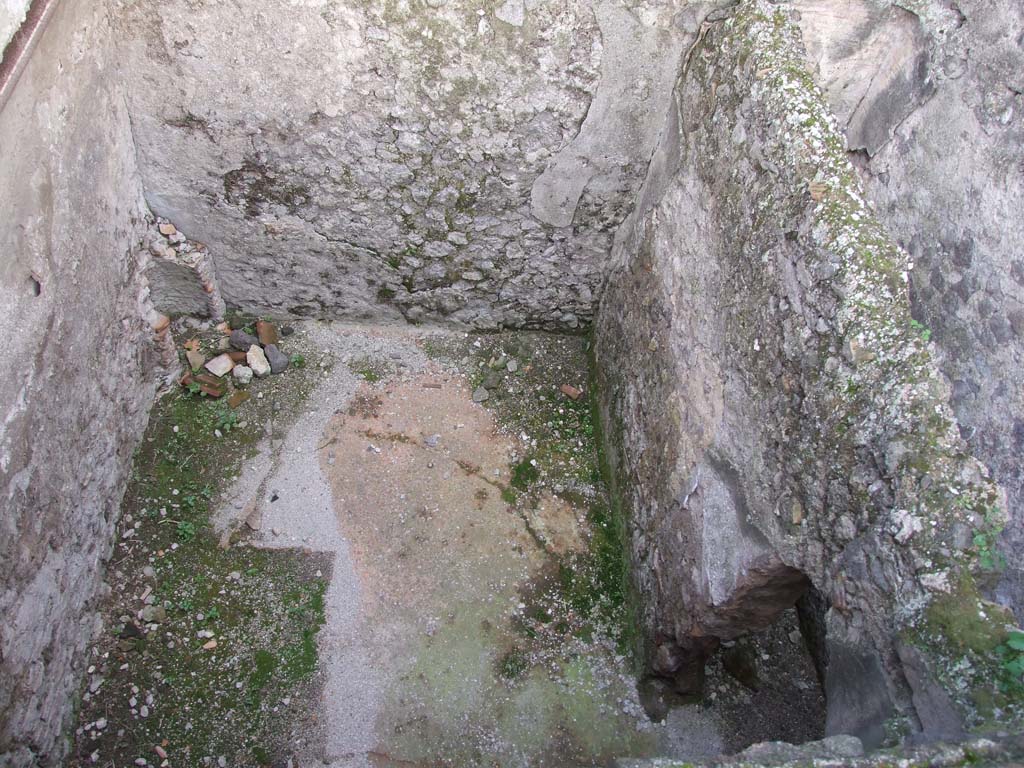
[75,376]
[776,418]
[464,160]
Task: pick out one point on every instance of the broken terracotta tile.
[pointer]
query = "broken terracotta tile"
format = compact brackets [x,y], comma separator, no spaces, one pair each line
[237,356]
[267,332]
[571,392]
[211,385]
[167,229]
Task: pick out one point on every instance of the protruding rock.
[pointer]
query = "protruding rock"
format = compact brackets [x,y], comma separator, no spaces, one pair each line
[167,229]
[257,361]
[242,340]
[278,360]
[220,365]
[480,394]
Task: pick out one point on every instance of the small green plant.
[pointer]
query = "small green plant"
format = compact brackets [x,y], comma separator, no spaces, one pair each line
[194,388]
[186,530]
[212,613]
[298,361]
[1011,654]
[922,330]
[225,419]
[513,664]
[985,543]
[370,370]
[524,474]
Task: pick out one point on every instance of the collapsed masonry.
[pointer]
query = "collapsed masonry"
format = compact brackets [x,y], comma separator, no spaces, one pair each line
[777,421]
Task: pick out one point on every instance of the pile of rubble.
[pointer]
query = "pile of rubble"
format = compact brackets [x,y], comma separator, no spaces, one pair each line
[242,356]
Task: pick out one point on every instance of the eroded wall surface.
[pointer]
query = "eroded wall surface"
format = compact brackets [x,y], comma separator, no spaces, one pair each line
[452,159]
[932,95]
[777,423]
[76,378]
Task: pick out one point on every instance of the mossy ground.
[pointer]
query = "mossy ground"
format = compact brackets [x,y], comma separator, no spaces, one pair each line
[560,455]
[164,683]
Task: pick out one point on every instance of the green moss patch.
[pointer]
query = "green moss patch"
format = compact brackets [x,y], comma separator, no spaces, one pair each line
[208,651]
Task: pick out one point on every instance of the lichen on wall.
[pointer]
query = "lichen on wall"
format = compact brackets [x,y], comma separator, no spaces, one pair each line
[763,375]
[948,184]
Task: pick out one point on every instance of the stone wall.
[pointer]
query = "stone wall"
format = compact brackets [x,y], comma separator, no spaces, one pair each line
[777,424]
[428,158]
[12,14]
[75,376]
[947,170]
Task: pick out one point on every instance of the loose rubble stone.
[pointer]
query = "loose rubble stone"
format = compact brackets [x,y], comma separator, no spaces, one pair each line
[266,332]
[571,392]
[257,361]
[195,359]
[242,340]
[242,374]
[220,365]
[277,359]
[480,395]
[154,614]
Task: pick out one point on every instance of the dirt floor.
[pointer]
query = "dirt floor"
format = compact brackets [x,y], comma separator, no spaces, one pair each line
[445,491]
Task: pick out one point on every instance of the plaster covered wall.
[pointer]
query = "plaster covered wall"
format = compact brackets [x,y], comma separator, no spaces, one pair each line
[777,423]
[76,377]
[453,159]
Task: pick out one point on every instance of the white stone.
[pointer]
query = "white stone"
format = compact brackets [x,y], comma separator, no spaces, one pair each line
[512,12]
[257,361]
[242,373]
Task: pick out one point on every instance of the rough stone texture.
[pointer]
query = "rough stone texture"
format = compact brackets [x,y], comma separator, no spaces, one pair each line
[950,186]
[774,415]
[76,374]
[434,159]
[182,276]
